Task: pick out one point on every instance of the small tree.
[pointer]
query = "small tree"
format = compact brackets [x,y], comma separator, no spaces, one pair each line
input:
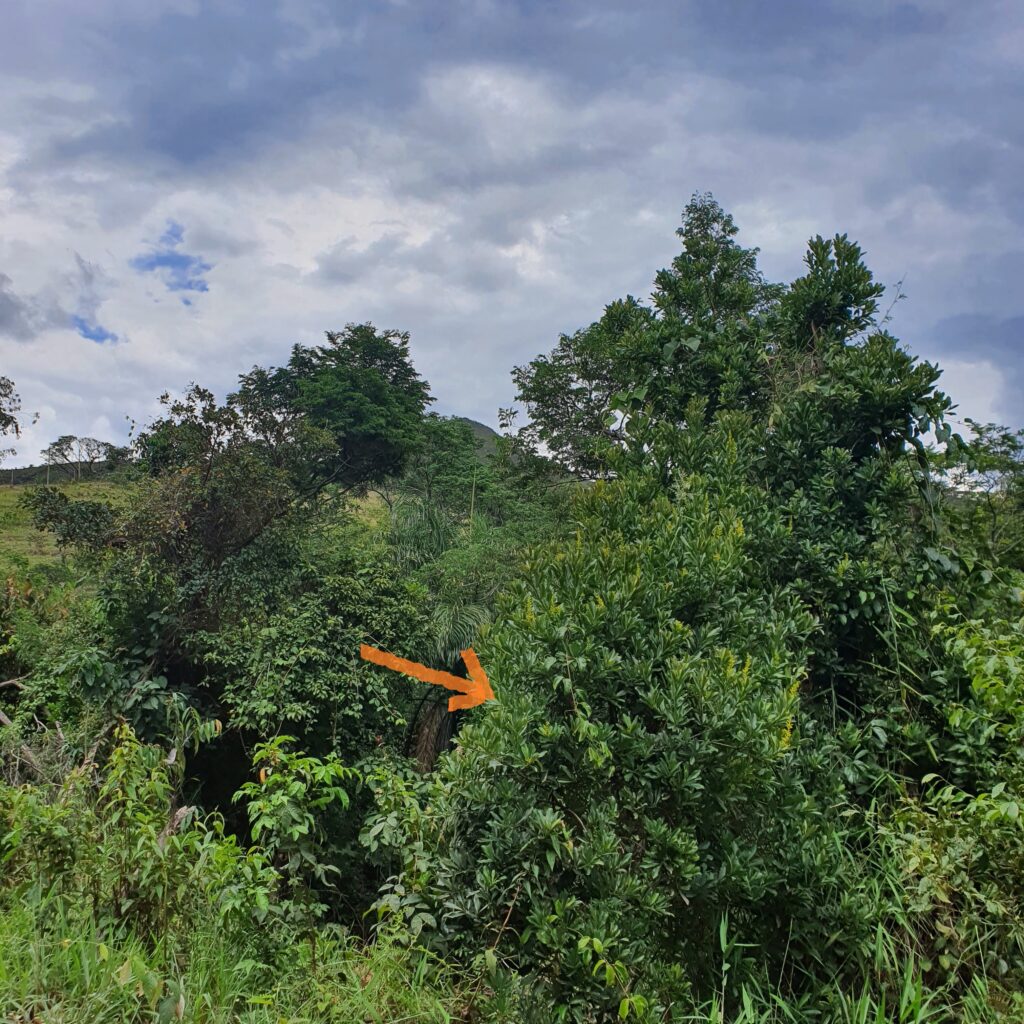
[64,453]
[286,808]
[10,406]
[987,492]
[92,453]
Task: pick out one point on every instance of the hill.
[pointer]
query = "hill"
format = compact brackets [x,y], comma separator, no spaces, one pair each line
[485,435]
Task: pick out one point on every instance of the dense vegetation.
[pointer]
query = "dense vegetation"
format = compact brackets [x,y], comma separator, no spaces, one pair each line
[752,614]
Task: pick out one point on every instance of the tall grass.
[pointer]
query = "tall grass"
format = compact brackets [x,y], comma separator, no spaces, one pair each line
[54,969]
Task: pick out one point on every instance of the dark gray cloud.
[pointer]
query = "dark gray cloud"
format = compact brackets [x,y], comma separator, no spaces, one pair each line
[484,173]
[22,317]
[978,335]
[17,316]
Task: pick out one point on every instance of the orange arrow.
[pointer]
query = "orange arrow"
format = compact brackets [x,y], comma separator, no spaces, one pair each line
[472,691]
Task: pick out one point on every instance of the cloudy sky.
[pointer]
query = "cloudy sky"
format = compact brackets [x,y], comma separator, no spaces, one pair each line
[188,187]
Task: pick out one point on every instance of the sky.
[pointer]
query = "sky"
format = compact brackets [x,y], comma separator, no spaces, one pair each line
[190,187]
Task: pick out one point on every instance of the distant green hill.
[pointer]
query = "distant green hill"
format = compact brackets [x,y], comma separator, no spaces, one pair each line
[483,433]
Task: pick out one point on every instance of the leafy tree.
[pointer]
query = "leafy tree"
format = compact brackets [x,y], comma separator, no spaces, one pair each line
[62,453]
[337,416]
[73,453]
[353,407]
[84,524]
[10,406]
[836,300]
[445,467]
[282,808]
[296,666]
[713,280]
[92,452]
[840,414]
[216,485]
[568,394]
[342,415]
[986,491]
[695,341]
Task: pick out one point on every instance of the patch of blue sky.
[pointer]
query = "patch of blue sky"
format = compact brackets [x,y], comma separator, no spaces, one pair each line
[173,234]
[92,331]
[179,271]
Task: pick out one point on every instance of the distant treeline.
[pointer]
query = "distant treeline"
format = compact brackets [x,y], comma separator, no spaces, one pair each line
[53,474]
[64,467]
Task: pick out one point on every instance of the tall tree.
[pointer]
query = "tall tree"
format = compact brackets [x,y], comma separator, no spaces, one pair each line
[693,341]
[714,280]
[351,409]
[343,415]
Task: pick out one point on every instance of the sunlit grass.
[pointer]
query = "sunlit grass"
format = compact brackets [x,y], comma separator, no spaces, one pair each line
[22,546]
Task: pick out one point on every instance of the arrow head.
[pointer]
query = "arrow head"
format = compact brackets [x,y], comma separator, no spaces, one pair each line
[478,686]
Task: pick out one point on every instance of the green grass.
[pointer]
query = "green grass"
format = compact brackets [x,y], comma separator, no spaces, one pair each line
[53,968]
[22,546]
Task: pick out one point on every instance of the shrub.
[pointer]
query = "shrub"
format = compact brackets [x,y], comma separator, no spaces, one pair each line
[633,782]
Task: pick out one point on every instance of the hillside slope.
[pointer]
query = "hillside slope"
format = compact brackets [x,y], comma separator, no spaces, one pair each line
[22,546]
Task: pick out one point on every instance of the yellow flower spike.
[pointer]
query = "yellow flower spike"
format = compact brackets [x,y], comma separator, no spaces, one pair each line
[786,736]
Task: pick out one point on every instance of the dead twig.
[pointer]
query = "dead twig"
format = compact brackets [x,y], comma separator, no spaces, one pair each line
[91,752]
[27,756]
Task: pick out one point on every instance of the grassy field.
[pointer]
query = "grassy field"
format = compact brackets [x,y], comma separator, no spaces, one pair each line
[22,546]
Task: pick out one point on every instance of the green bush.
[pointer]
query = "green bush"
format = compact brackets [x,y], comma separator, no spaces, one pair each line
[633,782]
[123,853]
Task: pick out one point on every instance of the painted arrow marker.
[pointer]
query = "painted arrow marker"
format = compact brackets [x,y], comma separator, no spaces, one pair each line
[472,691]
